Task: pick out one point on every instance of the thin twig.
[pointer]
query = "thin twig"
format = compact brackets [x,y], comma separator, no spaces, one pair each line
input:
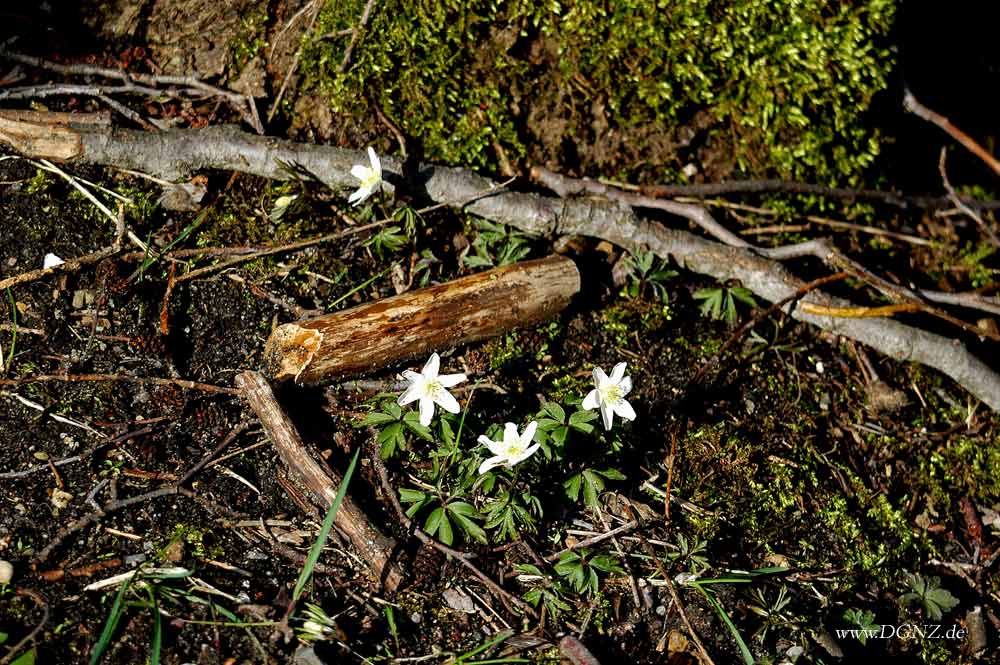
[233,433]
[316,6]
[90,518]
[669,583]
[911,104]
[15,650]
[594,540]
[461,557]
[194,86]
[953,195]
[355,35]
[159,381]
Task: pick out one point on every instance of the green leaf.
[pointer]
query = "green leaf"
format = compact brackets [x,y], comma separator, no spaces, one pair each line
[612,474]
[555,411]
[470,528]
[412,422]
[463,508]
[26,658]
[433,522]
[377,418]
[407,495]
[572,486]
[581,420]
[445,532]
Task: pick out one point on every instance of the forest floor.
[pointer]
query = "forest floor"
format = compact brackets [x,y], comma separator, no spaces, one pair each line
[815,486]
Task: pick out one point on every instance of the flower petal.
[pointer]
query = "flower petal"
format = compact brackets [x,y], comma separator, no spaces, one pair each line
[362,173]
[490,463]
[607,414]
[618,372]
[411,394]
[496,447]
[592,400]
[600,378]
[51,261]
[625,387]
[510,436]
[447,401]
[449,380]
[529,433]
[375,162]
[426,411]
[624,409]
[432,366]
[526,454]
[412,376]
[358,197]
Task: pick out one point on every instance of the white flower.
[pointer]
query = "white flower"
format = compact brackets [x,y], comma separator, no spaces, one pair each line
[430,388]
[609,395]
[51,261]
[370,177]
[513,449]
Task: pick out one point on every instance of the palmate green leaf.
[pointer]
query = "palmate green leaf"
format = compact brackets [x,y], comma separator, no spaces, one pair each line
[712,305]
[391,440]
[580,421]
[554,411]
[377,418]
[464,514]
[412,422]
[438,524]
[474,261]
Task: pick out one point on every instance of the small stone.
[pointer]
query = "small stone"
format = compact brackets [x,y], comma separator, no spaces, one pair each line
[6,572]
[458,600]
[40,455]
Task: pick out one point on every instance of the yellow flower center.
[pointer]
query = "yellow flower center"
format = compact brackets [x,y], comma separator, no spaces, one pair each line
[611,394]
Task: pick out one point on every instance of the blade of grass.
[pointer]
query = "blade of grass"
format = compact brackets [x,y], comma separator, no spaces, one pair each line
[721,611]
[154,648]
[324,532]
[112,623]
[357,288]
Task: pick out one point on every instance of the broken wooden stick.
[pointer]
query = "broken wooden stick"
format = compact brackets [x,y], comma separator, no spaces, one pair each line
[373,546]
[382,333]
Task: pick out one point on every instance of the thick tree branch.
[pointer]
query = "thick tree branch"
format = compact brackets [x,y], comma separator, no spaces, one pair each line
[177,153]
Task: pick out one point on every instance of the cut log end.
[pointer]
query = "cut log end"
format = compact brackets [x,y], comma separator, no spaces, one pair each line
[289,351]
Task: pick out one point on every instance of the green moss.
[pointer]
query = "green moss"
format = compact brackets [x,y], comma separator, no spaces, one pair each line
[504,350]
[785,84]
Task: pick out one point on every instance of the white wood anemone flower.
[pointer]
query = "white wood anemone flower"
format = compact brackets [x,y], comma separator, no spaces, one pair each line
[609,394]
[51,261]
[370,177]
[431,388]
[514,448]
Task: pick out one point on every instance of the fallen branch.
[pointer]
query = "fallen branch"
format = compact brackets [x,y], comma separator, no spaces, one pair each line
[911,104]
[176,153]
[382,333]
[373,546]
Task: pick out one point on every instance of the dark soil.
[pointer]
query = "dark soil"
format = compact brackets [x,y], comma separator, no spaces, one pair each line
[791,456]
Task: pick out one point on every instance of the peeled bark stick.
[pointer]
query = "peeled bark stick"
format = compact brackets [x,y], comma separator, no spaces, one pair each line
[374,547]
[381,333]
